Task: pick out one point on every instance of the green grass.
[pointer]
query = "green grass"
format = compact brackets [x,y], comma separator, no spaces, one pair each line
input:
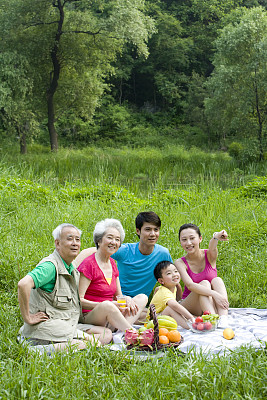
[40,190]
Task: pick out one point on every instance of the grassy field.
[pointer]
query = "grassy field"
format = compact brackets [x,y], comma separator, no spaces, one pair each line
[41,190]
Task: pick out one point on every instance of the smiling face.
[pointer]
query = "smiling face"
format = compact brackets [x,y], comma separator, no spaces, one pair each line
[149,234]
[170,276]
[69,244]
[110,241]
[190,240]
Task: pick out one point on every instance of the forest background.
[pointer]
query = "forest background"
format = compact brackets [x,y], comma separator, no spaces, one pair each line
[146,105]
[134,73]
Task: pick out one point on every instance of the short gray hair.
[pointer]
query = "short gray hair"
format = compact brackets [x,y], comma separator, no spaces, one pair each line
[57,232]
[102,226]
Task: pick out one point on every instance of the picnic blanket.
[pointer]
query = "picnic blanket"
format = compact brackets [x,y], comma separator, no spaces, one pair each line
[249,325]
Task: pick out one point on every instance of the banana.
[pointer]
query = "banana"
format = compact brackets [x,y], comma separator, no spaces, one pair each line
[167,317]
[164,322]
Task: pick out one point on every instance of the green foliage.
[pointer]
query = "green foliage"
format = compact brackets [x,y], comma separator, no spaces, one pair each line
[40,190]
[235,149]
[255,188]
[70,59]
[237,101]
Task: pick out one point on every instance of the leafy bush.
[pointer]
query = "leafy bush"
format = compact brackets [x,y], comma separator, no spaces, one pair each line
[255,188]
[235,149]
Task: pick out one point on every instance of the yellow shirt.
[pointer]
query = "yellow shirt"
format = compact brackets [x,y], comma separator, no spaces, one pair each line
[161,298]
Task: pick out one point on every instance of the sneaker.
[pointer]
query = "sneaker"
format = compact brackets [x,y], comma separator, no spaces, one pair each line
[223,322]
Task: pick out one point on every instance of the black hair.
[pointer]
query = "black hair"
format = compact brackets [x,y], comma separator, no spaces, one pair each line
[147,216]
[187,226]
[160,267]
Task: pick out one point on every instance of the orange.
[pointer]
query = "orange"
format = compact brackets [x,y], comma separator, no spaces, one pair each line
[163,339]
[228,333]
[163,331]
[174,336]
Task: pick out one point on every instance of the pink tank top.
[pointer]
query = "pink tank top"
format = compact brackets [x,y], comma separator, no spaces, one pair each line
[208,274]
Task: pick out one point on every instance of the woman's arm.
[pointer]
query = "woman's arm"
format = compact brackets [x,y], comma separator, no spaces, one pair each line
[212,252]
[197,288]
[179,292]
[132,307]
[83,286]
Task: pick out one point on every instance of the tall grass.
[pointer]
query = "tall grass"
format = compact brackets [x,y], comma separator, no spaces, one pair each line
[39,191]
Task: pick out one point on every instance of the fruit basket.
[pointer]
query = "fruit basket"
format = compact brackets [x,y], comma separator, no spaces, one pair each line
[204,324]
[156,345]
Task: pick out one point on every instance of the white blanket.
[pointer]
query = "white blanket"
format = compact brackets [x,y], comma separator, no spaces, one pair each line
[249,325]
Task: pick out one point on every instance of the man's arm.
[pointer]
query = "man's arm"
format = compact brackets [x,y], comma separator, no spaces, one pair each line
[25,286]
[83,254]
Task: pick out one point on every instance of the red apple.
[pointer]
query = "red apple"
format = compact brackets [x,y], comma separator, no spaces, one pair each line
[200,326]
[198,319]
[208,325]
[194,325]
[206,313]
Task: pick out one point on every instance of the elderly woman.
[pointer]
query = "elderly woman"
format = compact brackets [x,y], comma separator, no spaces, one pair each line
[100,285]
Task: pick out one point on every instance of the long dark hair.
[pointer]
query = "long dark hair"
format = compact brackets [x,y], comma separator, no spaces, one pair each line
[192,226]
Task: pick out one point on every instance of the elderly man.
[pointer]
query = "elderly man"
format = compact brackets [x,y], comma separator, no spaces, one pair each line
[49,300]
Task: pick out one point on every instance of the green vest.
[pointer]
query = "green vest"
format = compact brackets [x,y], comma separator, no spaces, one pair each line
[62,305]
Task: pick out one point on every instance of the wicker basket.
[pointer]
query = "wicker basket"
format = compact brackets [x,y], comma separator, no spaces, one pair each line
[156,345]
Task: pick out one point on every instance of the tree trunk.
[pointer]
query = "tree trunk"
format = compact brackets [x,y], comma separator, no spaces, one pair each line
[54,79]
[51,123]
[22,140]
[259,120]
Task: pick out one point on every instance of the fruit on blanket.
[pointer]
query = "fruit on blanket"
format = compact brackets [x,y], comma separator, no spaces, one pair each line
[174,336]
[194,325]
[198,319]
[150,324]
[163,331]
[228,333]
[208,326]
[164,339]
[167,322]
[146,338]
[131,336]
[164,322]
[213,318]
[200,326]
[166,317]
[206,313]
[142,329]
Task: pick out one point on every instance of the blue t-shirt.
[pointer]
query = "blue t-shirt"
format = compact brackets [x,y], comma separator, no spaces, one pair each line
[136,269]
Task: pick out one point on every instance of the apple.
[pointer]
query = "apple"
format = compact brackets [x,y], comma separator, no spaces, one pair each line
[198,319]
[194,325]
[200,326]
[206,313]
[208,325]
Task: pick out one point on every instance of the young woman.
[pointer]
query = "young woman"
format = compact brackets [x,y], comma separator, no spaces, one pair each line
[204,290]
[100,285]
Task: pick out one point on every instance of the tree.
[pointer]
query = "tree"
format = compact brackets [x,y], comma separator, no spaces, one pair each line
[238,85]
[15,89]
[70,45]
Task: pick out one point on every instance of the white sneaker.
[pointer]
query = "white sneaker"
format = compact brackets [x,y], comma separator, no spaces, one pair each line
[223,322]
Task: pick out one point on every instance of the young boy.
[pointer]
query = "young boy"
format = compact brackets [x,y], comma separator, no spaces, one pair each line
[164,297]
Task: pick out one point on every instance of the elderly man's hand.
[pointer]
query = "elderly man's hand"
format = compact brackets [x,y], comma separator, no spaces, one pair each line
[34,319]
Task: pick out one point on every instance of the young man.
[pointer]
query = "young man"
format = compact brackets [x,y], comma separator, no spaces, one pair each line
[136,261]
